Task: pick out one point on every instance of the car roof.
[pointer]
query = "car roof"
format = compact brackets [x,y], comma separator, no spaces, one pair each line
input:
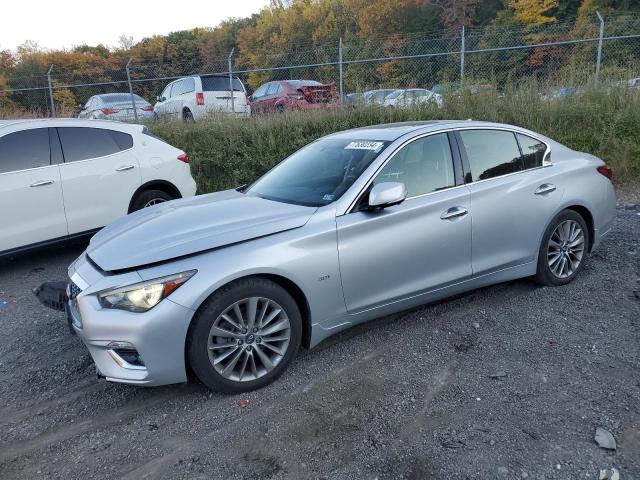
[69,122]
[393,131]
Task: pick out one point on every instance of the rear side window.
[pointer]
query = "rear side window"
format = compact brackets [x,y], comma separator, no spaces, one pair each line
[220,84]
[532,151]
[80,143]
[273,89]
[491,153]
[25,149]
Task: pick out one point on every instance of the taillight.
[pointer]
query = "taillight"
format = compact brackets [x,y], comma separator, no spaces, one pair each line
[606,171]
[148,109]
[108,111]
[199,98]
[184,158]
[246,99]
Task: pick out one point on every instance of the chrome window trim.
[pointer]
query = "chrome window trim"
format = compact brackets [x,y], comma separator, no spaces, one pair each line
[30,169]
[547,152]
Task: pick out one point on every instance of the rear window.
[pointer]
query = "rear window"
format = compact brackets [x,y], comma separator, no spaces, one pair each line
[25,149]
[120,97]
[220,84]
[80,143]
[303,83]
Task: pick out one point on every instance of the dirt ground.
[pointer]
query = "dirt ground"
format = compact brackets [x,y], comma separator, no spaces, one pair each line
[507,382]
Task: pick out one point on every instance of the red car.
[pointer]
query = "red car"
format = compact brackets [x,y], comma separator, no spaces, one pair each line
[282,95]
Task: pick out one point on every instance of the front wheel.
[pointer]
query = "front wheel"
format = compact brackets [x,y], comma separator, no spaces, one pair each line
[244,336]
[563,249]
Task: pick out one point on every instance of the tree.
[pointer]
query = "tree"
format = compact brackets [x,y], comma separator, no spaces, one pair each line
[534,12]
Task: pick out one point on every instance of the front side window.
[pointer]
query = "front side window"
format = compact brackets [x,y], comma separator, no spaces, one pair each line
[532,151]
[491,153]
[319,173]
[80,143]
[25,149]
[424,166]
[166,92]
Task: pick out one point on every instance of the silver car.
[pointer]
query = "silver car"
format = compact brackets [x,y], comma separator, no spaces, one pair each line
[354,226]
[116,106]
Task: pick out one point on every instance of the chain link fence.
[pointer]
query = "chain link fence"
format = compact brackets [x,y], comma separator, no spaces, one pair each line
[569,54]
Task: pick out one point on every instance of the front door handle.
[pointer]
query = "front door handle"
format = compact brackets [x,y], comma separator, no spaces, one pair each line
[124,168]
[453,213]
[41,183]
[545,188]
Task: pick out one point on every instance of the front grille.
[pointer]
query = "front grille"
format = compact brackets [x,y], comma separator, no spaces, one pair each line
[74,291]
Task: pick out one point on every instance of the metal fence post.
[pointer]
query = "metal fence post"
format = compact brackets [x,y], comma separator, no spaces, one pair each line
[340,70]
[53,103]
[233,109]
[599,59]
[462,56]
[133,101]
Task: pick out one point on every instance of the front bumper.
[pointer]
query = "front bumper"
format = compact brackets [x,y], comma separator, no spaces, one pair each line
[157,336]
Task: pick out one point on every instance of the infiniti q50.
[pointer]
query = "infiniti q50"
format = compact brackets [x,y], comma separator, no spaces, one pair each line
[356,225]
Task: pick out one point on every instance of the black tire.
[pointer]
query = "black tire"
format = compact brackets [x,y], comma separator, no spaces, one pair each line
[147,198]
[197,348]
[280,109]
[187,116]
[544,273]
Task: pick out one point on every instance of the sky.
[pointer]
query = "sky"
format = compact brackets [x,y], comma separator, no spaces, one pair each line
[68,23]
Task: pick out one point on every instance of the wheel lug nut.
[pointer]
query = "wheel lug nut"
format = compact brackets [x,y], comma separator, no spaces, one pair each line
[239,341]
[244,330]
[255,329]
[249,348]
[258,340]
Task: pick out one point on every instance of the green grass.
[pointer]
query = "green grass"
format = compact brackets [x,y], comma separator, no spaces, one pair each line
[227,152]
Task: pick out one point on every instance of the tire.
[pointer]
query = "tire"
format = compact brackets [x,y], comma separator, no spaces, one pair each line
[280,109]
[556,248]
[239,359]
[187,116]
[148,198]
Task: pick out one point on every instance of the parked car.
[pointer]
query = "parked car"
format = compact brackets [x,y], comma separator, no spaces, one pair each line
[560,93]
[116,106]
[194,98]
[377,97]
[67,178]
[412,97]
[356,225]
[282,95]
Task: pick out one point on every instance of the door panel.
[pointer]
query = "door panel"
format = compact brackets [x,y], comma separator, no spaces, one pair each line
[97,191]
[404,250]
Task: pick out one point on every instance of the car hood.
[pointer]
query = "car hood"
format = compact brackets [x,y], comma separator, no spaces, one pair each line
[183,227]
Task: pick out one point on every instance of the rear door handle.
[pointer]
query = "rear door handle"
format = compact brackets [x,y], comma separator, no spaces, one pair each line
[453,213]
[41,183]
[545,188]
[124,168]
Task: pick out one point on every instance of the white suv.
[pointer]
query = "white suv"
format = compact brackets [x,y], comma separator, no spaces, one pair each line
[192,98]
[66,178]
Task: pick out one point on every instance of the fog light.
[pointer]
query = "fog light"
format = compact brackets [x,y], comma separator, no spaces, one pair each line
[125,355]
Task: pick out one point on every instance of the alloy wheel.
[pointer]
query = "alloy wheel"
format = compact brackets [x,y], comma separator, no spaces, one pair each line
[566,248]
[248,339]
[154,201]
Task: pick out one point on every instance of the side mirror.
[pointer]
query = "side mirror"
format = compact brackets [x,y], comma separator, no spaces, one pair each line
[81,106]
[160,98]
[387,194]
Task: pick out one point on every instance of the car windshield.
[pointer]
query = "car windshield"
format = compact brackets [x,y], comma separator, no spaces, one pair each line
[319,173]
[393,95]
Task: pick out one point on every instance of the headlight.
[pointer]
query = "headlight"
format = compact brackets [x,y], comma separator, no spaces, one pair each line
[143,296]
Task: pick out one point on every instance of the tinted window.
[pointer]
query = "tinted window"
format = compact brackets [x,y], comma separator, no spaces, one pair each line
[82,143]
[260,91]
[532,151]
[273,89]
[425,165]
[491,153]
[220,84]
[319,173]
[120,97]
[25,149]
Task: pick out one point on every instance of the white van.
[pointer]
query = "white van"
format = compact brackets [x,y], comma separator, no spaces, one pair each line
[192,98]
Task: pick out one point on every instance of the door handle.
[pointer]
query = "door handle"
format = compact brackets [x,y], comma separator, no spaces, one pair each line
[41,183]
[545,188]
[124,168]
[453,212]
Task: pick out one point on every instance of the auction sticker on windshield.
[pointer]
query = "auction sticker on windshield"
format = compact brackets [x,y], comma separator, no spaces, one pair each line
[364,145]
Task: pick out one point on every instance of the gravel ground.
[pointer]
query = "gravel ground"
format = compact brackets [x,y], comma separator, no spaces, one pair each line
[412,396]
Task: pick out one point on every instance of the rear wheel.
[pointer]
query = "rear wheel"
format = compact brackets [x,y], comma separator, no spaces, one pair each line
[187,116]
[563,249]
[244,336]
[280,109]
[149,198]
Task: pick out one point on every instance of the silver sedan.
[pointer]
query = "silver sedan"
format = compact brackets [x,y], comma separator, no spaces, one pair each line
[354,226]
[117,106]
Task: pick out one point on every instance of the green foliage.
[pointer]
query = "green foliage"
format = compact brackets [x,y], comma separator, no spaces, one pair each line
[227,152]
